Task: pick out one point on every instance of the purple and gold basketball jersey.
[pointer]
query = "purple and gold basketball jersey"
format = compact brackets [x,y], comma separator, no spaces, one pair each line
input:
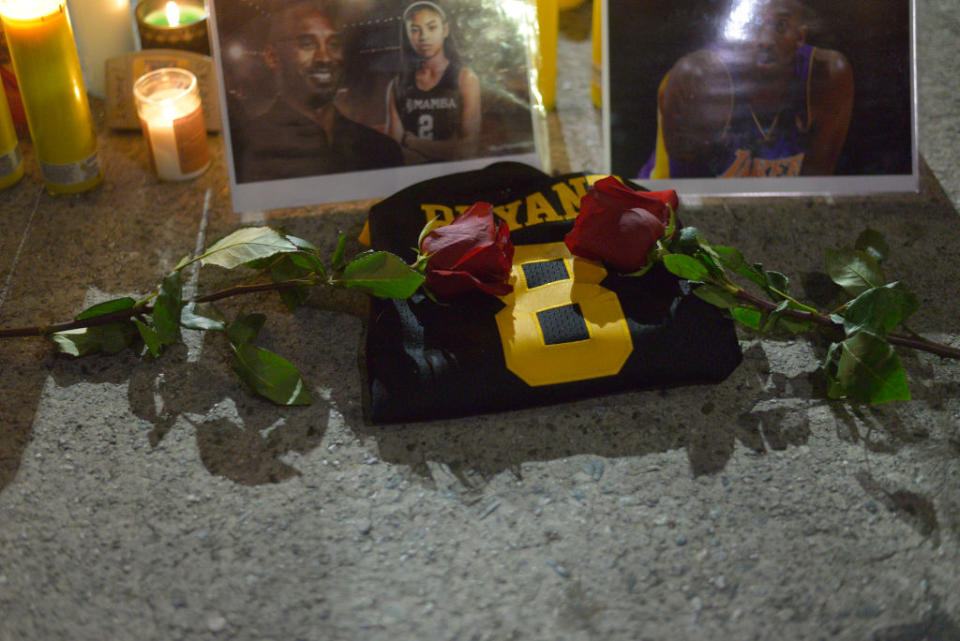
[749,147]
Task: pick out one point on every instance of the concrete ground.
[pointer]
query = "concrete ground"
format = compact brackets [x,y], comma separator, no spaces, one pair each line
[159,500]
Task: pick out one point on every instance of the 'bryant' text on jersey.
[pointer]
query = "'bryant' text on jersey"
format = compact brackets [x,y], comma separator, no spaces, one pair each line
[562,202]
[430,104]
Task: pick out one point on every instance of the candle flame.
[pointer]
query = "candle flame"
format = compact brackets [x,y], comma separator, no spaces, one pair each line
[29,10]
[173,14]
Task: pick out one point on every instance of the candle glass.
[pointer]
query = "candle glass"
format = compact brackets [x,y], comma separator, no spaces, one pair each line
[171,117]
[54,97]
[190,34]
[11,162]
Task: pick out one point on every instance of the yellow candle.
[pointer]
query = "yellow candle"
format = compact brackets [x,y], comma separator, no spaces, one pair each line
[171,116]
[48,70]
[11,164]
[548,19]
[596,82]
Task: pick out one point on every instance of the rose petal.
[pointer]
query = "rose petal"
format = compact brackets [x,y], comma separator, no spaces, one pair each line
[472,253]
[617,225]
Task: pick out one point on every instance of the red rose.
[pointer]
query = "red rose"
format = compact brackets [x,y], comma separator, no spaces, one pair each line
[618,226]
[471,253]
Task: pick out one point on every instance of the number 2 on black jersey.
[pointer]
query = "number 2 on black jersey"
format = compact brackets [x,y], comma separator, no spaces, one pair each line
[425,126]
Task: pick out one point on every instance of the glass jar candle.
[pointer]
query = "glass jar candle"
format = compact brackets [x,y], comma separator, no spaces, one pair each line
[47,67]
[173,24]
[171,117]
[11,162]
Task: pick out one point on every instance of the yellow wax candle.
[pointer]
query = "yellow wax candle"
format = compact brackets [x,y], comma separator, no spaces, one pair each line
[48,70]
[548,19]
[596,36]
[11,163]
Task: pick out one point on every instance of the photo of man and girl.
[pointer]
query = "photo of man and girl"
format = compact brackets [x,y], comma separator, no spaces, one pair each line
[321,87]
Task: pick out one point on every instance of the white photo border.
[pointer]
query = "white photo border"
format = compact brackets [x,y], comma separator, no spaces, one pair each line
[323,189]
[825,186]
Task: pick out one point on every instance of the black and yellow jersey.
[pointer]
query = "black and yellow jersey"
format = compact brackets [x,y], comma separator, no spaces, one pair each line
[569,329]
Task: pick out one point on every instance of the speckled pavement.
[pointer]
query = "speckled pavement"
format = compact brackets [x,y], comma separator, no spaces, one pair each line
[159,500]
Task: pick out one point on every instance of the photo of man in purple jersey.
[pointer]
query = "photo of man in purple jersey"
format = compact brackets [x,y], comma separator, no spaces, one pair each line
[762,102]
[762,96]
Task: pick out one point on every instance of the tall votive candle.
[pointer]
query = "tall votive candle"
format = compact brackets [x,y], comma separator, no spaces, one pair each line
[47,67]
[103,29]
[548,21]
[11,162]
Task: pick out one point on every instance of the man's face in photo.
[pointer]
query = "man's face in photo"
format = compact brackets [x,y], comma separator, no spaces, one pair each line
[775,34]
[310,57]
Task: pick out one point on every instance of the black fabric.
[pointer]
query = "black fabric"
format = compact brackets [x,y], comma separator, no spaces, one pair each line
[564,324]
[425,360]
[539,274]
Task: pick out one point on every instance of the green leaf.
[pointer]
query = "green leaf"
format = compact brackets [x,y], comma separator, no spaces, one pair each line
[337,261]
[716,296]
[202,317]
[747,316]
[150,336]
[309,262]
[109,339]
[834,388]
[287,269]
[270,375]
[707,257]
[733,259]
[854,270]
[879,310]
[245,245]
[166,309]
[873,244]
[869,371]
[771,318]
[778,286]
[245,328]
[107,307]
[382,274]
[686,267]
[300,243]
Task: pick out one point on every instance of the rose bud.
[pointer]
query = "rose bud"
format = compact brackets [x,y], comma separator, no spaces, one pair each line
[618,226]
[473,252]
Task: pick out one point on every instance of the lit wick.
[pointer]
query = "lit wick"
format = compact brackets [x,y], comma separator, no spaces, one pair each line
[173,14]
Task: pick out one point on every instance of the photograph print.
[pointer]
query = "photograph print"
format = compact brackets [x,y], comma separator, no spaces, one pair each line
[762,96]
[332,100]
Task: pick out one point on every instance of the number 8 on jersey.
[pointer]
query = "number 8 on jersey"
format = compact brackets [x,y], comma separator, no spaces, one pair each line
[559,323]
